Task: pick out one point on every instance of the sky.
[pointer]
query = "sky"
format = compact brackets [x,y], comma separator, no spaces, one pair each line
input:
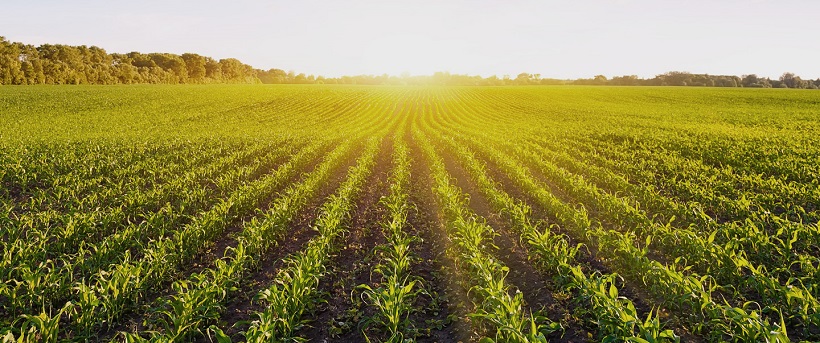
[555,38]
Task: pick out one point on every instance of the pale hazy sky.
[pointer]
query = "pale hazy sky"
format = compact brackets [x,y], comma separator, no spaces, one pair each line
[561,39]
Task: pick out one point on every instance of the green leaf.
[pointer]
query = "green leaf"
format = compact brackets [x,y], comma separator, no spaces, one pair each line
[220,336]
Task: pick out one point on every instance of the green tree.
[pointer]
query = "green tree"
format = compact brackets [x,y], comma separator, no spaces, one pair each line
[523,79]
[195,65]
[232,69]
[123,70]
[10,63]
[789,80]
[213,70]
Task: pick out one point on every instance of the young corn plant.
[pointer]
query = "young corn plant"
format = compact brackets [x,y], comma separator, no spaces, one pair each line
[557,256]
[393,298]
[199,300]
[496,307]
[120,286]
[294,291]
[597,236]
[726,263]
[92,257]
[36,328]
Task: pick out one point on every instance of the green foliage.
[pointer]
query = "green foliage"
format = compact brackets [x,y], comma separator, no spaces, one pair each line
[652,213]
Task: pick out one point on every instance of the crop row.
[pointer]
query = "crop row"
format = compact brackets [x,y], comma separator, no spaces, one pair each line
[633,261]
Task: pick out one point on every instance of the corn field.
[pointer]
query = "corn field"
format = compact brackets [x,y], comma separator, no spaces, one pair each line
[256,213]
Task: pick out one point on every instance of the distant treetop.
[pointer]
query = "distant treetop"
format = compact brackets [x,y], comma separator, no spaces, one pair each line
[25,64]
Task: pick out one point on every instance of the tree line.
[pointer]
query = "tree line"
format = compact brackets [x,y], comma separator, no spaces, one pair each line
[25,64]
[676,78]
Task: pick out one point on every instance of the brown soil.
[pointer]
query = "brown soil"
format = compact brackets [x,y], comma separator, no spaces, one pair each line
[536,287]
[522,275]
[228,238]
[135,319]
[13,194]
[338,319]
[240,308]
[588,257]
[442,315]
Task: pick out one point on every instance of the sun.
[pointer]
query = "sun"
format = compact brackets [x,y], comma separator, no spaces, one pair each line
[416,54]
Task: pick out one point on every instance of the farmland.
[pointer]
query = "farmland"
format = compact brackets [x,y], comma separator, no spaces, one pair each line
[431,214]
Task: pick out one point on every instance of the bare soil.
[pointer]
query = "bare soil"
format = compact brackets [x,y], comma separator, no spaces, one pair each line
[340,317]
[442,314]
[536,287]
[135,319]
[588,257]
[240,308]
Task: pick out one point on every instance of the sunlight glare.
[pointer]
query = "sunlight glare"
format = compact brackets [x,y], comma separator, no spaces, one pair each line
[407,53]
